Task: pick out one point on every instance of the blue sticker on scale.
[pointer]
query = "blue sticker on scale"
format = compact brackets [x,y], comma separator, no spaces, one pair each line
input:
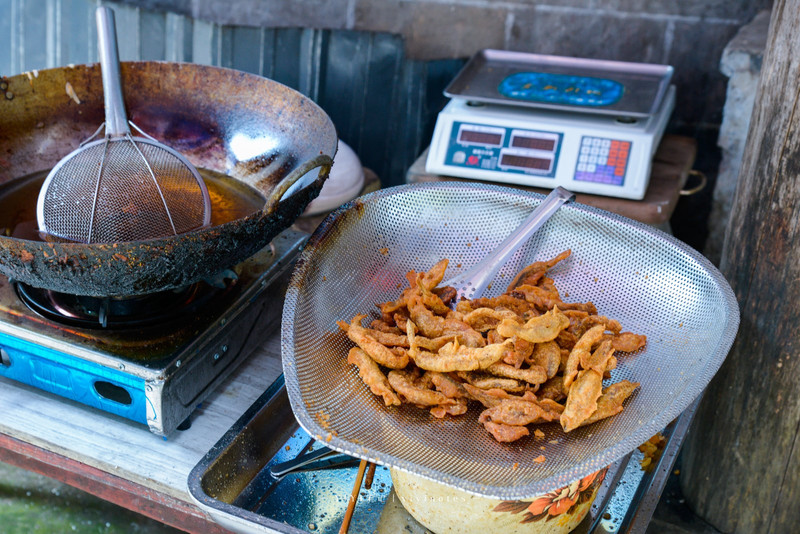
[561,89]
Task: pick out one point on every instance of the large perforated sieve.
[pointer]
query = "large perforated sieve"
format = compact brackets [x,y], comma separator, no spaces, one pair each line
[121,188]
[652,283]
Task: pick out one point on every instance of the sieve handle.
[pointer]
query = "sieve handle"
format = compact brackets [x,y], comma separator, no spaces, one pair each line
[475,281]
[116,120]
[323,160]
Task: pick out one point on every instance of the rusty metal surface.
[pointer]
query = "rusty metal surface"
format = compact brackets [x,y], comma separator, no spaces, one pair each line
[253,129]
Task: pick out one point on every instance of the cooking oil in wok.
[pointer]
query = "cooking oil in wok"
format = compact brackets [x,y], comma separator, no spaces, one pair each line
[230,200]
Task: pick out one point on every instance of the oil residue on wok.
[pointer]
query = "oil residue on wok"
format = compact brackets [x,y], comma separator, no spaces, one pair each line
[230,200]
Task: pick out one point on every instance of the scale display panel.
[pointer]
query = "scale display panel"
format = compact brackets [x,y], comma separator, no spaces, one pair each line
[516,150]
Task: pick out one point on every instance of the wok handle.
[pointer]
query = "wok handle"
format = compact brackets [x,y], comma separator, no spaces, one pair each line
[323,160]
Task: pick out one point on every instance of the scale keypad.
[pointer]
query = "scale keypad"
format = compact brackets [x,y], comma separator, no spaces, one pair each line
[602,161]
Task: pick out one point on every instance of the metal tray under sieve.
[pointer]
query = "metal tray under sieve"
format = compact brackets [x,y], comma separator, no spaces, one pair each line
[649,281]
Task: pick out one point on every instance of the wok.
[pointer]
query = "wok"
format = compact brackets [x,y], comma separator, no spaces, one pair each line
[253,129]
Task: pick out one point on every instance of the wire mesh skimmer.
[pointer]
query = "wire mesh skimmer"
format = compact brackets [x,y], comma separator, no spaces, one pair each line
[121,188]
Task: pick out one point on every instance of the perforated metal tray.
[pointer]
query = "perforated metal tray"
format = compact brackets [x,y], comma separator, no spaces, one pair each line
[652,283]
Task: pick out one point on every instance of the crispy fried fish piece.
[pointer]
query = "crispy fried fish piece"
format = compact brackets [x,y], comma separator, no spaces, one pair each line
[380,353]
[628,341]
[544,299]
[453,356]
[610,402]
[582,347]
[383,326]
[485,319]
[488,381]
[581,399]
[553,389]
[534,272]
[487,397]
[505,433]
[447,385]
[433,326]
[459,408]
[403,383]
[546,355]
[533,375]
[516,411]
[599,359]
[516,305]
[538,329]
[372,376]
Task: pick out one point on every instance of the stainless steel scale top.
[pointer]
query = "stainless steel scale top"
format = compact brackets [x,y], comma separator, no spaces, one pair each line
[576,85]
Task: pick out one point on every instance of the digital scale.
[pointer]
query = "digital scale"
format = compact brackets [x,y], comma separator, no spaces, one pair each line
[590,126]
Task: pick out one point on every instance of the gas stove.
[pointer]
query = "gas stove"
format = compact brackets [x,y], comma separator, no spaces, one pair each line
[149,359]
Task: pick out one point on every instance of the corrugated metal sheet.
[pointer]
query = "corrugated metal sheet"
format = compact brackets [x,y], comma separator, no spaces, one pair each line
[383,104]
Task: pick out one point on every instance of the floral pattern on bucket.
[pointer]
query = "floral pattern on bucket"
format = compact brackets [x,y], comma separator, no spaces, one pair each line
[558,502]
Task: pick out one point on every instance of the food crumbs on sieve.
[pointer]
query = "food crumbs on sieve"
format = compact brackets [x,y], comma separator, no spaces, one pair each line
[646,276]
[538,433]
[539,459]
[543,447]
[594,279]
[288,448]
[566,295]
[458,266]
[384,251]
[488,287]
[469,244]
[553,442]
[329,436]
[324,278]
[515,466]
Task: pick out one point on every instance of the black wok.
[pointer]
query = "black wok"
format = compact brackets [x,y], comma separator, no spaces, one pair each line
[253,129]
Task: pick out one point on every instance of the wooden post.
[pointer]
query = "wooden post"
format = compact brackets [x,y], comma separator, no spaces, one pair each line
[741,461]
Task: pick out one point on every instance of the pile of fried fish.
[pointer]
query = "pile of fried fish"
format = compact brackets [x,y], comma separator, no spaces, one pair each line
[527,356]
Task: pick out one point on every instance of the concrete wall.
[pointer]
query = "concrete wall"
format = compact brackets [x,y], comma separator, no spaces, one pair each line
[690,35]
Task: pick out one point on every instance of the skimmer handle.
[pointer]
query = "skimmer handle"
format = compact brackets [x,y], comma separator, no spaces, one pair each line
[472,283]
[116,119]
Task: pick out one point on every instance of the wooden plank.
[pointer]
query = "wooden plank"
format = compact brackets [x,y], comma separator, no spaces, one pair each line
[741,467]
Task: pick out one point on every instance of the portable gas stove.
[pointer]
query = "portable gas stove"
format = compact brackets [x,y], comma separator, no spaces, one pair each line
[151,359]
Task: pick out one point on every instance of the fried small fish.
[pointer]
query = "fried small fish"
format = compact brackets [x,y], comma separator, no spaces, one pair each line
[403,383]
[372,376]
[505,433]
[610,402]
[628,341]
[580,351]
[582,399]
[546,355]
[380,353]
[538,329]
[533,375]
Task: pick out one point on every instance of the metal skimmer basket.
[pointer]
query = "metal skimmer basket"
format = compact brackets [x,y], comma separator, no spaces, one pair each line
[649,281]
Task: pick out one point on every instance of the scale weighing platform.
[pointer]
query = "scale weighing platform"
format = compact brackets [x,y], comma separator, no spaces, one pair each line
[591,126]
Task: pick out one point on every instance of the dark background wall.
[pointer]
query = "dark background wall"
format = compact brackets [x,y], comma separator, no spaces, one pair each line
[378,67]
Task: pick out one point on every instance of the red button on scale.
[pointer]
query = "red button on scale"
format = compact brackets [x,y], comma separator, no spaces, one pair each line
[619,171]
[614,144]
[472,160]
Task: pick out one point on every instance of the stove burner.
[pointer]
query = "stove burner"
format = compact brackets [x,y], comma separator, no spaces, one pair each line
[110,312]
